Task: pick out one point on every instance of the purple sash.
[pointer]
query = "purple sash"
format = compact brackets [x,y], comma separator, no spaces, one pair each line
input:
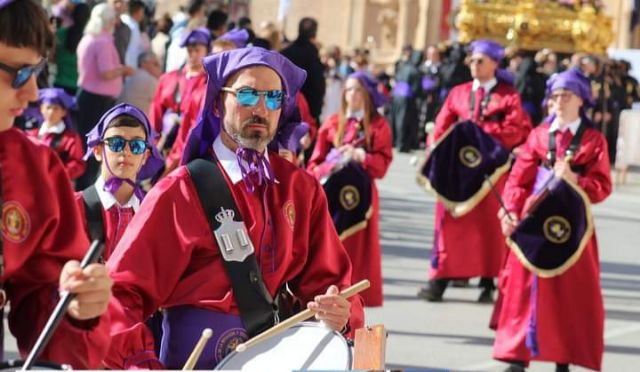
[182,327]
[402,89]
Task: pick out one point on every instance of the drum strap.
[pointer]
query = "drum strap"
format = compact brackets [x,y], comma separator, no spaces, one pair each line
[571,150]
[93,212]
[258,310]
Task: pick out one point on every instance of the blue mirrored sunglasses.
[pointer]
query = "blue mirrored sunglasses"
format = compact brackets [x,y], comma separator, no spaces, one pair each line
[249,97]
[117,144]
[22,75]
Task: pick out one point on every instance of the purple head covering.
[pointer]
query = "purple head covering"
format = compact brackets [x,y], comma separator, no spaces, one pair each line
[4,3]
[153,164]
[371,85]
[199,35]
[238,36]
[58,97]
[489,48]
[219,68]
[290,131]
[572,80]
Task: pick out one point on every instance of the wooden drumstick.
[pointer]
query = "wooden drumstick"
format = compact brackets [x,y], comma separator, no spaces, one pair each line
[301,316]
[195,354]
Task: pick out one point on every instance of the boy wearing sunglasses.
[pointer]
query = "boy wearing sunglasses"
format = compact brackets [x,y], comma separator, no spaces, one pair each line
[122,142]
[41,240]
[169,256]
[56,130]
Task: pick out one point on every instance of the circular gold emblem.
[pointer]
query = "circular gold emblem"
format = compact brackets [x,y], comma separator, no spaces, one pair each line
[470,156]
[557,229]
[349,197]
[16,224]
[289,213]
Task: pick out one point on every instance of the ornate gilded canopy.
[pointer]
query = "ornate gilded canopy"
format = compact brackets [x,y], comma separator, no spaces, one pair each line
[536,24]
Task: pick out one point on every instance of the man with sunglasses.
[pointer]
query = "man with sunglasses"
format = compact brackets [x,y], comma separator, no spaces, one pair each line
[122,142]
[472,245]
[170,258]
[41,238]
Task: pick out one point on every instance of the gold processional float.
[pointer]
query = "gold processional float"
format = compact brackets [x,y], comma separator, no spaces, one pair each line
[537,24]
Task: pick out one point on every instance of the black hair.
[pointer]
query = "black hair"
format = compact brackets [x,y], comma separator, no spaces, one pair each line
[307,28]
[126,121]
[136,5]
[216,19]
[24,24]
[194,6]
[80,16]
[243,22]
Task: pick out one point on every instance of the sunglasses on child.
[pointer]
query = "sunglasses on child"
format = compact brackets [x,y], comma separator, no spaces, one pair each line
[117,144]
[249,97]
[22,75]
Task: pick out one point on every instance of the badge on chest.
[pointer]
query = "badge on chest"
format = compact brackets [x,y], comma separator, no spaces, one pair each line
[232,237]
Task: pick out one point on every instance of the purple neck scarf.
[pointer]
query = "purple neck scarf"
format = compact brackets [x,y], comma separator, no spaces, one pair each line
[257,170]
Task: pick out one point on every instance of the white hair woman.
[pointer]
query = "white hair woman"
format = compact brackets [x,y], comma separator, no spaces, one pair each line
[100,75]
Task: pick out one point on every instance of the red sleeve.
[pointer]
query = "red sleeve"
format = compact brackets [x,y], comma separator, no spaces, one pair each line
[596,180]
[53,236]
[303,106]
[156,108]
[74,164]
[448,115]
[141,279]
[522,177]
[327,262]
[188,121]
[515,127]
[323,144]
[378,158]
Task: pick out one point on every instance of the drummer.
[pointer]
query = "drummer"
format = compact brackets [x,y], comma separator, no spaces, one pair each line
[169,257]
[361,134]
[569,307]
[41,238]
[472,245]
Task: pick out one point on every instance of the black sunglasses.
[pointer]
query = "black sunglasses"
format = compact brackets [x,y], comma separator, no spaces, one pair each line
[22,75]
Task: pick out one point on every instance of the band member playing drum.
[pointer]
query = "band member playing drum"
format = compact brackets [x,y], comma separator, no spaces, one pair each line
[360,135]
[555,318]
[216,241]
[41,235]
[472,245]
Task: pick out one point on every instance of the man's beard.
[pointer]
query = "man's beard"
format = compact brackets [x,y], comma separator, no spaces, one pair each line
[253,139]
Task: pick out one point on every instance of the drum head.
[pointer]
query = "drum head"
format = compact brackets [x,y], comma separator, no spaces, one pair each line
[16,364]
[306,346]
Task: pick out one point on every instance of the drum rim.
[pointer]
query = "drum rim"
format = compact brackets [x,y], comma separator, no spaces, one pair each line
[225,360]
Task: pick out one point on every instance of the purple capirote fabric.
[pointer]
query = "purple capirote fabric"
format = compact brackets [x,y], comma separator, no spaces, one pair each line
[504,76]
[290,131]
[155,161]
[182,327]
[402,89]
[58,97]
[543,177]
[219,68]
[254,167]
[572,80]
[370,83]
[199,35]
[4,3]
[489,48]
[238,36]
[428,84]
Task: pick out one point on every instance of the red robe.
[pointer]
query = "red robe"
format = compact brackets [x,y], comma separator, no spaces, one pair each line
[192,91]
[70,150]
[363,246]
[41,231]
[473,245]
[169,259]
[114,225]
[570,311]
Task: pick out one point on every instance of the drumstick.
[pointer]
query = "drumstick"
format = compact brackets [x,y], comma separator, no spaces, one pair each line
[195,354]
[95,251]
[497,195]
[301,316]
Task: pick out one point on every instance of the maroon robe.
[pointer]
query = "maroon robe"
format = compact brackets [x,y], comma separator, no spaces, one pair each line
[69,149]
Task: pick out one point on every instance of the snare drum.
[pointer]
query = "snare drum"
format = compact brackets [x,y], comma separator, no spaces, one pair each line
[305,346]
[16,364]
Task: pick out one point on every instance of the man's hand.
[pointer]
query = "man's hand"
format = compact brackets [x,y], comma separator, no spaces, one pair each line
[331,308]
[508,222]
[563,169]
[92,287]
